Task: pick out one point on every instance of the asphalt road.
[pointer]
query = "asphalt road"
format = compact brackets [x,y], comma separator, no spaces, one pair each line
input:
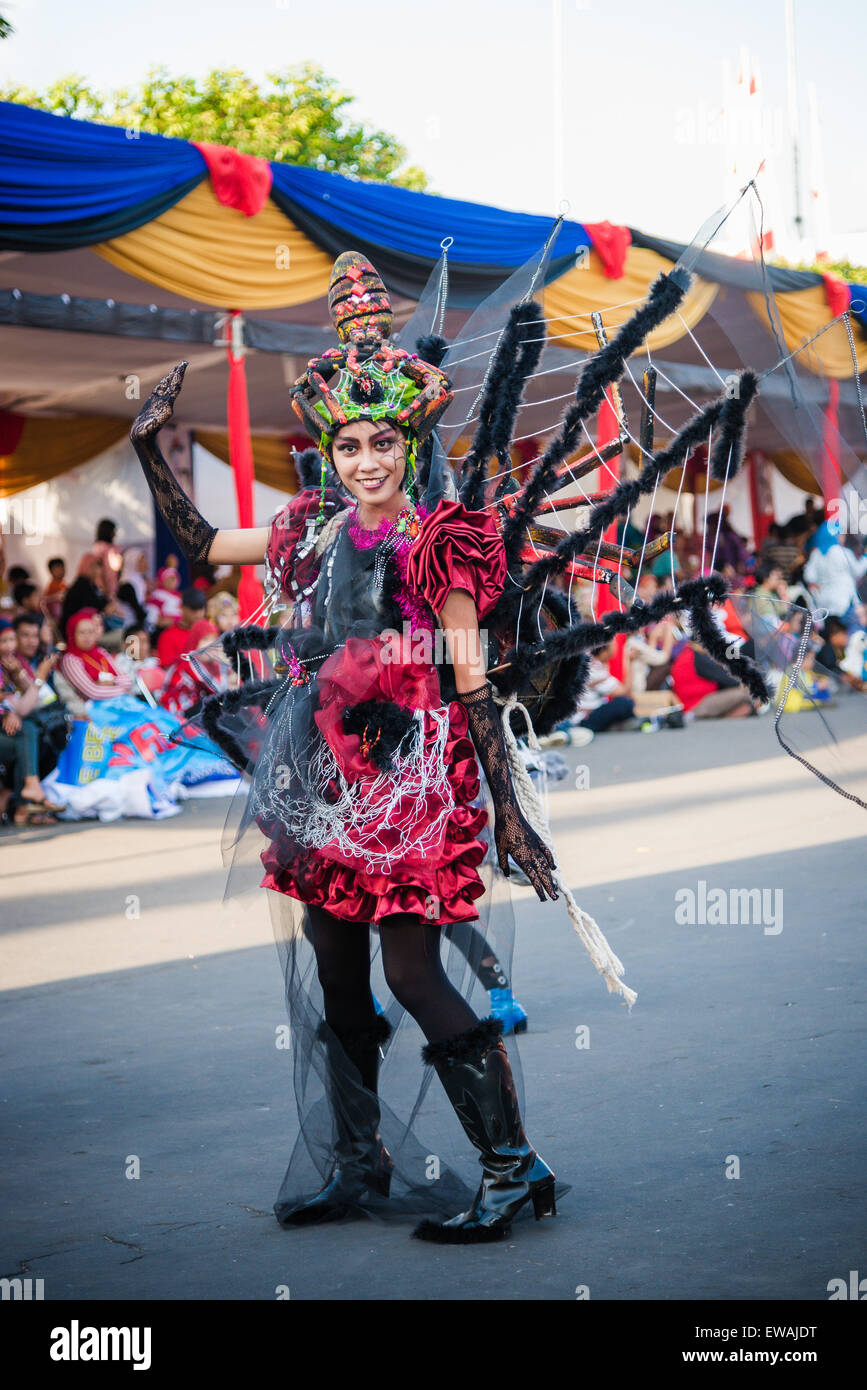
[713,1138]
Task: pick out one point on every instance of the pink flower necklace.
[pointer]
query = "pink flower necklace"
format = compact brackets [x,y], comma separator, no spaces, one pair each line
[407,524]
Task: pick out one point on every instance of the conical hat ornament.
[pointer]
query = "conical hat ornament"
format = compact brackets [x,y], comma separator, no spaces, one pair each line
[365,378]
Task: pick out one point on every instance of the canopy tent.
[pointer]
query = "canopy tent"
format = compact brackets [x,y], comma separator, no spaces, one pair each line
[90,215]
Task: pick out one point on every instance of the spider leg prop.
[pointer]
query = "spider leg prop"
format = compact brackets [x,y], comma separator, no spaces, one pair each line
[598,373]
[697,596]
[514,361]
[728,414]
[251,694]
[432,349]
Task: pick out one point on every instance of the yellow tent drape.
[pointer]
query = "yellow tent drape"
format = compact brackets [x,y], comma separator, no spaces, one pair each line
[50,447]
[272,457]
[803,313]
[571,300]
[798,472]
[204,251]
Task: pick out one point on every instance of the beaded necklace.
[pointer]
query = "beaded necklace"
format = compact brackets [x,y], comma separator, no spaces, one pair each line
[394,538]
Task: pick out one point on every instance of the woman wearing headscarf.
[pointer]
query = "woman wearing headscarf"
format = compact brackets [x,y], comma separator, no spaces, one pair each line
[132,590]
[87,670]
[164,603]
[832,572]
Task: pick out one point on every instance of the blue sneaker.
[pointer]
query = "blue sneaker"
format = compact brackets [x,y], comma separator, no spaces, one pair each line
[505,1007]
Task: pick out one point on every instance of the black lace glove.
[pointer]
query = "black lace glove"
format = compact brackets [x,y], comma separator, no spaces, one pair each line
[189,528]
[512,832]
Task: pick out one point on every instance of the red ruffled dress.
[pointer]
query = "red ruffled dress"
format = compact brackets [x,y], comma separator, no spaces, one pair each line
[427,846]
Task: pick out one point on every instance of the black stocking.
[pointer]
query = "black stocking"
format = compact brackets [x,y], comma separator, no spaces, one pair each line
[480,957]
[416,977]
[413,968]
[343,965]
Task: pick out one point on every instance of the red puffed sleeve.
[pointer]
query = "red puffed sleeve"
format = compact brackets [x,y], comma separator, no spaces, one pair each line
[458,549]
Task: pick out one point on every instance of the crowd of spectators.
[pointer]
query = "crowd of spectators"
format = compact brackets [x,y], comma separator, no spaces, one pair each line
[110,629]
[661,677]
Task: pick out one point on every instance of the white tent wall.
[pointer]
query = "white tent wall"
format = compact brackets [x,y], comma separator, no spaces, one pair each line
[59,517]
[788,500]
[215,492]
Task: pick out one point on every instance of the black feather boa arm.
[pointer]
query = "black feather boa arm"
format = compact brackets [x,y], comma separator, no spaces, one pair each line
[255,692]
[695,598]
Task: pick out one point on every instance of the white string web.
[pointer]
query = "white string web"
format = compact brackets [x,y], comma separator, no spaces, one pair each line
[378,820]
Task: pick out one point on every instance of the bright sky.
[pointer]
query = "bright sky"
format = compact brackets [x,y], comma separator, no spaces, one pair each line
[470,87]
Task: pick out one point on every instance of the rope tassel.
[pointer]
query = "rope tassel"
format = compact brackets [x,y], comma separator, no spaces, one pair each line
[610,967]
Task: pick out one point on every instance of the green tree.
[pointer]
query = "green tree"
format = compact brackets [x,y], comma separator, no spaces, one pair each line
[298,115]
[6,28]
[845,270]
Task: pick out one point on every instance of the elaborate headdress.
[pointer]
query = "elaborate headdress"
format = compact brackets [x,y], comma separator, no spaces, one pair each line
[366,377]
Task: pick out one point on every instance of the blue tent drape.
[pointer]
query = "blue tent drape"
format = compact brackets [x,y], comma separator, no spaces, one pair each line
[66,183]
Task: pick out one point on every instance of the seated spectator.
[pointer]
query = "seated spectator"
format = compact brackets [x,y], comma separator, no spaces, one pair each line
[781,551]
[175,640]
[832,572]
[223,611]
[19,737]
[164,604]
[730,546]
[184,685]
[834,654]
[87,672]
[203,575]
[137,658]
[604,701]
[25,596]
[85,590]
[132,591]
[769,595]
[31,648]
[808,521]
[705,689]
[109,556]
[55,590]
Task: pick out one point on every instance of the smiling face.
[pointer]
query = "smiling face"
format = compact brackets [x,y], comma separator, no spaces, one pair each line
[7,641]
[370,460]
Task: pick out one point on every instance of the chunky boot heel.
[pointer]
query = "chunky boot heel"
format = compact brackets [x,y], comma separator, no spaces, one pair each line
[544,1203]
[477,1078]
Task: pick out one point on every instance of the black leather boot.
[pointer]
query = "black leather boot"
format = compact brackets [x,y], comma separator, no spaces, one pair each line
[475,1072]
[362,1164]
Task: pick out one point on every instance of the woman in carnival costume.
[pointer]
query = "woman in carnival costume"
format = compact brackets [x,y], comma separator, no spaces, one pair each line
[363,737]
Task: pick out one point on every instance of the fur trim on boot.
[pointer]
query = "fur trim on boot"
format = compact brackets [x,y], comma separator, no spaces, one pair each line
[465,1047]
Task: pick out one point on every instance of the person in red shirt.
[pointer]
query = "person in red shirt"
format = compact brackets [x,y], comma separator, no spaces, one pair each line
[704,689]
[174,641]
[183,686]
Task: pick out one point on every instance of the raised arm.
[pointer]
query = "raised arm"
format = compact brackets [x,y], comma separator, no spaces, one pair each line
[196,538]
